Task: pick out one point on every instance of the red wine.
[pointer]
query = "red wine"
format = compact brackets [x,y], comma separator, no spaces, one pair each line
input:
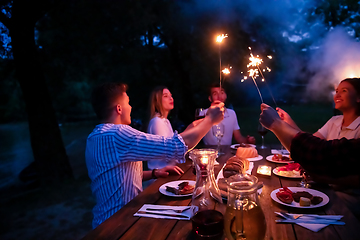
[208,224]
[199,117]
[263,132]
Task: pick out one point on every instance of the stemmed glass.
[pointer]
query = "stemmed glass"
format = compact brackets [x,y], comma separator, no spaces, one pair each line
[303,182]
[262,131]
[218,131]
[199,113]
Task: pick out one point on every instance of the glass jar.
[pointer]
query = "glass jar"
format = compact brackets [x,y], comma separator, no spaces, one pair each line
[244,217]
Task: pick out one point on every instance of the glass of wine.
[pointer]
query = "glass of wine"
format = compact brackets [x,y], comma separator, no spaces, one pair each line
[218,132]
[304,180]
[199,113]
[262,131]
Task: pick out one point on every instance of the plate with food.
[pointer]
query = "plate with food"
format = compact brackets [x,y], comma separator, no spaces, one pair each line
[236,146]
[181,188]
[253,159]
[279,158]
[291,170]
[299,197]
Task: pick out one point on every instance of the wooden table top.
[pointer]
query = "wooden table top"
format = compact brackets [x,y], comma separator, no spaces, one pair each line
[123,225]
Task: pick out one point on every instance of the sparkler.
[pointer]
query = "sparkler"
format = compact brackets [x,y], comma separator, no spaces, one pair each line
[254,71]
[219,39]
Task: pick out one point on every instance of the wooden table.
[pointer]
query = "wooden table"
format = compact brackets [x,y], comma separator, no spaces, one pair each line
[123,225]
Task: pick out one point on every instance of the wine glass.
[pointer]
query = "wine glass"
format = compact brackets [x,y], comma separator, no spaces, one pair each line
[199,113]
[218,131]
[262,131]
[304,183]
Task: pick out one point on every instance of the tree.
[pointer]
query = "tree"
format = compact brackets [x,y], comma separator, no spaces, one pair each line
[46,141]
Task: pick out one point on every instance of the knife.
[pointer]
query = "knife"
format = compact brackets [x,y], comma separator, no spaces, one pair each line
[163,214]
[318,221]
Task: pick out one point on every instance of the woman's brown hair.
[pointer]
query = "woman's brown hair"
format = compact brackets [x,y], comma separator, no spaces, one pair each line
[156,101]
[355,82]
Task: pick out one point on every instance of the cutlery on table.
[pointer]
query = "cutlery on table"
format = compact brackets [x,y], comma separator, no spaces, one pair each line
[163,214]
[315,221]
[296,216]
[168,209]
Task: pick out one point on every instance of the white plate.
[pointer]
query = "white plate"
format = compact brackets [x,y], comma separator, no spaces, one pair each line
[298,189]
[175,184]
[277,173]
[269,158]
[255,158]
[221,175]
[235,146]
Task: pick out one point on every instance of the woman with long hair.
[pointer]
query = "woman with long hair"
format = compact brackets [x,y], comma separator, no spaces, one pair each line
[161,103]
[347,101]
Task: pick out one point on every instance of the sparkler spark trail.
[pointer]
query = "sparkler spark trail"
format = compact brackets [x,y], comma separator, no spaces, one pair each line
[219,39]
[254,71]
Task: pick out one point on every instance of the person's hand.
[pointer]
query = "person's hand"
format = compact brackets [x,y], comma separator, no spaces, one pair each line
[268,116]
[216,112]
[250,139]
[284,115]
[164,172]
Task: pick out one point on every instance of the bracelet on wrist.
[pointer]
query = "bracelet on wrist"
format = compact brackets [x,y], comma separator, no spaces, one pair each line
[153,173]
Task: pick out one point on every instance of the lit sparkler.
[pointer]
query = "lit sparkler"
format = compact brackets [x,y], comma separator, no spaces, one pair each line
[219,39]
[255,71]
[226,71]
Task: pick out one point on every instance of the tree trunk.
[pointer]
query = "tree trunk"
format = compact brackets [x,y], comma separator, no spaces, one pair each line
[46,141]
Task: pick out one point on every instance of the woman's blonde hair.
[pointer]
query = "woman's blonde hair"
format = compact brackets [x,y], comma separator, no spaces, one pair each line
[156,102]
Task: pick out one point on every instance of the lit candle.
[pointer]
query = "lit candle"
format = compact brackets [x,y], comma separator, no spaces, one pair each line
[204,160]
[264,170]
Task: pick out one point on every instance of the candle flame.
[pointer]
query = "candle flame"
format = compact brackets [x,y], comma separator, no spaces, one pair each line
[204,159]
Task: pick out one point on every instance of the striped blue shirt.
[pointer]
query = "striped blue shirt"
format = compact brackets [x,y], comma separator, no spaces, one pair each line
[114,155]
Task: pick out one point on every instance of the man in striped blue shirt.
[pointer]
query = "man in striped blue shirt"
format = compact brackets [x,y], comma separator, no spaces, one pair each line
[115,151]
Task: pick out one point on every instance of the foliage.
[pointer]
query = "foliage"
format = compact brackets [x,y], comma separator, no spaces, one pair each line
[158,42]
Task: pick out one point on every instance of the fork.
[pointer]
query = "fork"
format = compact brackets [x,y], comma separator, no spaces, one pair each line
[168,209]
[296,216]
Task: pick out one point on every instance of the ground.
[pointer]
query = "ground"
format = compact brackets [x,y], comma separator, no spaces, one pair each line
[59,212]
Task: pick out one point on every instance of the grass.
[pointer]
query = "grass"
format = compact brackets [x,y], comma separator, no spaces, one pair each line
[309,117]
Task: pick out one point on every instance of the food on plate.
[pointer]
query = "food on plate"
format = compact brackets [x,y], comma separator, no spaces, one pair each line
[316,200]
[280,157]
[182,189]
[298,195]
[235,165]
[246,151]
[290,170]
[285,195]
[302,197]
[304,201]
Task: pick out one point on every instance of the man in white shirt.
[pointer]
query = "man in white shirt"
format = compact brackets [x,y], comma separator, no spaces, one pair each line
[230,121]
[115,151]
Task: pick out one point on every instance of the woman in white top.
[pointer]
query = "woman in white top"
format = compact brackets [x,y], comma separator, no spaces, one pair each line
[161,103]
[347,100]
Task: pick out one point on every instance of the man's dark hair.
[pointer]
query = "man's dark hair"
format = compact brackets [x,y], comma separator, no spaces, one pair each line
[104,96]
[215,85]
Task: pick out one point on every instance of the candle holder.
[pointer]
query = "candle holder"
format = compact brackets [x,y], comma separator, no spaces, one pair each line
[206,192]
[264,170]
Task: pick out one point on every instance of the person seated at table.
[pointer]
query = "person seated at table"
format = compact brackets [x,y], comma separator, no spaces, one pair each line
[347,101]
[161,103]
[115,151]
[326,161]
[230,121]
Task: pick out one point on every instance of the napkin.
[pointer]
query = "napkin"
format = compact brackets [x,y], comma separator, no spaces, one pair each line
[280,151]
[315,227]
[189,213]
